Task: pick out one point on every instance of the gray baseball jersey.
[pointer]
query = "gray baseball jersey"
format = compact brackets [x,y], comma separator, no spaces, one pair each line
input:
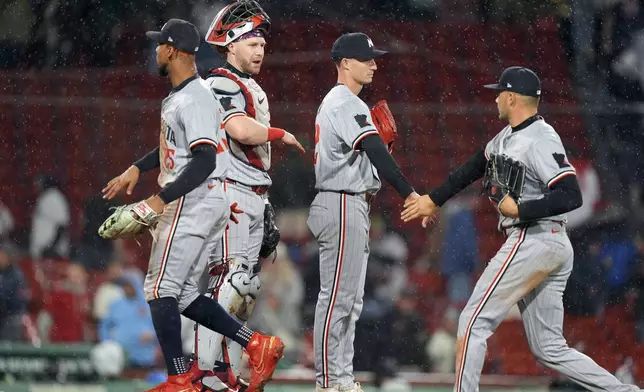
[539,148]
[188,119]
[189,227]
[249,164]
[531,269]
[342,121]
[339,221]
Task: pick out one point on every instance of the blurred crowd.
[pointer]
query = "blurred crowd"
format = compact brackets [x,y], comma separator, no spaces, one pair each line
[54,34]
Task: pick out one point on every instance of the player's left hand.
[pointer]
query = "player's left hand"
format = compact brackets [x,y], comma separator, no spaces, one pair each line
[508,207]
[422,206]
[156,203]
[128,221]
[292,141]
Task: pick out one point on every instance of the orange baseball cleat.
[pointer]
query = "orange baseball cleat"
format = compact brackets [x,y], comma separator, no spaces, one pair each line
[179,383]
[264,352]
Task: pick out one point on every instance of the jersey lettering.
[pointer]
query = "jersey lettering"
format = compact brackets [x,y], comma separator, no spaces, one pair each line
[169,136]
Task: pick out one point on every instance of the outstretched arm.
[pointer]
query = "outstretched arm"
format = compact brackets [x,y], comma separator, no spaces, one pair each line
[129,178]
[427,205]
[248,131]
[387,167]
[460,178]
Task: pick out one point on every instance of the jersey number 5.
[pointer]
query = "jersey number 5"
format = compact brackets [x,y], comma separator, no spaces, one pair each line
[168,158]
[317,139]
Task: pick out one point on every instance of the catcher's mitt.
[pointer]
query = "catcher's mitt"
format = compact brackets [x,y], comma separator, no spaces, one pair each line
[128,221]
[504,176]
[271,232]
[385,124]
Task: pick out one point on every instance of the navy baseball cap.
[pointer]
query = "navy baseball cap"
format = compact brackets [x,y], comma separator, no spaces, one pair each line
[519,80]
[355,46]
[179,34]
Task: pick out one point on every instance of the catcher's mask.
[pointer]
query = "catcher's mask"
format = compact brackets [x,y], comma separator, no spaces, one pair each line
[235,20]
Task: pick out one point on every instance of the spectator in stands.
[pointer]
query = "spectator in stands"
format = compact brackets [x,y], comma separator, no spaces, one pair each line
[585,293]
[590,192]
[128,322]
[402,332]
[95,251]
[6,224]
[279,306]
[15,22]
[459,255]
[128,257]
[624,372]
[388,259]
[617,255]
[109,291]
[636,292]
[368,350]
[50,221]
[441,348]
[13,299]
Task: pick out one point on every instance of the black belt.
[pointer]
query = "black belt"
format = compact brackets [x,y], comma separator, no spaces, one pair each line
[367,196]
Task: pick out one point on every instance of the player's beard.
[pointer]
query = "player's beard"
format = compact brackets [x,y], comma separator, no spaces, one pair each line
[163,69]
[249,68]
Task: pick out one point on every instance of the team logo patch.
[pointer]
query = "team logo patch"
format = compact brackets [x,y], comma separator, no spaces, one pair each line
[361,119]
[561,160]
[227,103]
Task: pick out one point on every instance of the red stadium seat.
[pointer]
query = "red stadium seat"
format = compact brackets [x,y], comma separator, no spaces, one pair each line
[68,312]
[37,133]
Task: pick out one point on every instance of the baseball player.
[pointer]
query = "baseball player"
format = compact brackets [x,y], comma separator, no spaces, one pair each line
[529,180]
[350,158]
[239,32]
[187,216]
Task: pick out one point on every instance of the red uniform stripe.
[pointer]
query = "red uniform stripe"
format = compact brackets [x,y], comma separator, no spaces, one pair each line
[168,246]
[202,141]
[223,124]
[560,176]
[362,136]
[334,292]
[479,308]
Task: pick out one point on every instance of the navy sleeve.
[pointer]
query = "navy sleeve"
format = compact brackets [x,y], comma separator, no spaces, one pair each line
[460,178]
[149,161]
[387,167]
[565,196]
[202,163]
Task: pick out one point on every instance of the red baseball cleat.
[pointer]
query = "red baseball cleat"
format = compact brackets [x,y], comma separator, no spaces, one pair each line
[179,383]
[195,373]
[264,352]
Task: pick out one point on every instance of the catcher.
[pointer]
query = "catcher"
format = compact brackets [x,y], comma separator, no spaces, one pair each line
[187,216]
[351,156]
[239,33]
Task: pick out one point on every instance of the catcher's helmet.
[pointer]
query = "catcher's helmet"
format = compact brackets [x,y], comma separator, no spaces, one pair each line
[235,20]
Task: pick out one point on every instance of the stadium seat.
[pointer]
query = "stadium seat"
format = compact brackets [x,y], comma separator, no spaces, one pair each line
[68,312]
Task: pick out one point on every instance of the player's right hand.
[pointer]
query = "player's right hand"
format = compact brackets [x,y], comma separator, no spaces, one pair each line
[126,181]
[292,141]
[418,207]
